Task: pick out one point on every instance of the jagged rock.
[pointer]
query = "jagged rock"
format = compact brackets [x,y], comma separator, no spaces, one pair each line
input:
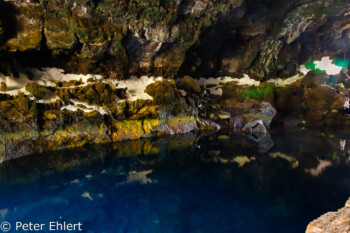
[164,38]
[27,26]
[332,222]
[97,93]
[239,59]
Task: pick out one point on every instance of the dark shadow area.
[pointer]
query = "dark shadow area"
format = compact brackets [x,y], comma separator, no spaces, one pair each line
[9,21]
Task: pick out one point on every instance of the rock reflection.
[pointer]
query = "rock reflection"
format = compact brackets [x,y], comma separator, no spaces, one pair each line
[322,165]
[139,177]
[264,141]
[342,144]
[291,159]
[241,160]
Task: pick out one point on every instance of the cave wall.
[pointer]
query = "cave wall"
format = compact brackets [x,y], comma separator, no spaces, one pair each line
[162,37]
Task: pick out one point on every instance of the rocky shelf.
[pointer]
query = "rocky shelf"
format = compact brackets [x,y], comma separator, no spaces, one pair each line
[332,222]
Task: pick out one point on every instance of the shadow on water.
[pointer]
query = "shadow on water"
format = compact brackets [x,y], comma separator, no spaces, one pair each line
[215,183]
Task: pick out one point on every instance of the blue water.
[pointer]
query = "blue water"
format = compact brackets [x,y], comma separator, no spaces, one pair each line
[182,184]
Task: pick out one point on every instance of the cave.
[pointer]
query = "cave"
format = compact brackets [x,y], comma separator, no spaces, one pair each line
[175,116]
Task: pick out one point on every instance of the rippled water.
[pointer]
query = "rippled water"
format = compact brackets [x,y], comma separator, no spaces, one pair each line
[213,183]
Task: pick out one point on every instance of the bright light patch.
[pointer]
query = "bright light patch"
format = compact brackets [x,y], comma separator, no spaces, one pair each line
[327,65]
[342,63]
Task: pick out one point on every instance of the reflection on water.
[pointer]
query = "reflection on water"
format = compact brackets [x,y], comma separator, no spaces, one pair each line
[214,183]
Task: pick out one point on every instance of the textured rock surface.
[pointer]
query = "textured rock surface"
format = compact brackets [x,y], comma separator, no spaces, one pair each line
[195,37]
[265,39]
[96,112]
[332,222]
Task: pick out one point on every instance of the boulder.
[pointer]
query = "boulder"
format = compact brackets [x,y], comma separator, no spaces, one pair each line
[163,92]
[265,113]
[313,79]
[332,222]
[257,127]
[189,85]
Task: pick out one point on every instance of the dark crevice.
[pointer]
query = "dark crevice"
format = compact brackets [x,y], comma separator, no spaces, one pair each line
[9,20]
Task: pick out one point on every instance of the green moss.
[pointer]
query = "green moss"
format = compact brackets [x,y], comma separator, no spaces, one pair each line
[258,93]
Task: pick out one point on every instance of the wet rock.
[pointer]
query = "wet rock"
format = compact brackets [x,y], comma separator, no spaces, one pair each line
[224,116]
[264,113]
[332,222]
[208,124]
[267,113]
[256,127]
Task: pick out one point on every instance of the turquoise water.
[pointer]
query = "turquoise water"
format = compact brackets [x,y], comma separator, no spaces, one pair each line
[213,183]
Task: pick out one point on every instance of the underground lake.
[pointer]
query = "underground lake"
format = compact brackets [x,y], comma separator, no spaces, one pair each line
[218,182]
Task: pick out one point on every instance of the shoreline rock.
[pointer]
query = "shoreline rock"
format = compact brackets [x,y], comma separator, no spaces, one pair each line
[332,222]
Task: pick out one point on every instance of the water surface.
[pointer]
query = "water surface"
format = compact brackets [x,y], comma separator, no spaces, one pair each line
[213,183]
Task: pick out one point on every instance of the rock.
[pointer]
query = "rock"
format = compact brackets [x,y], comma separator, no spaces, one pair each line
[197,38]
[264,113]
[27,28]
[237,59]
[224,116]
[313,79]
[207,124]
[256,127]
[37,90]
[3,87]
[189,85]
[267,113]
[332,222]
[163,92]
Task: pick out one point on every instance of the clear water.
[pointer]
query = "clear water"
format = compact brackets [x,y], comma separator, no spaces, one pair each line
[213,183]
